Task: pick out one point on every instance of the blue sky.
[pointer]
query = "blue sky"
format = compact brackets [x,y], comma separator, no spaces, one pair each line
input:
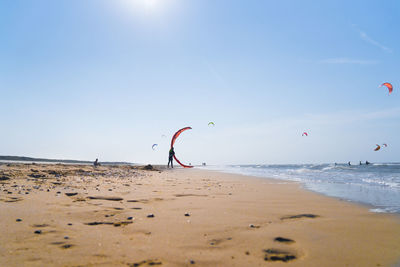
[107,78]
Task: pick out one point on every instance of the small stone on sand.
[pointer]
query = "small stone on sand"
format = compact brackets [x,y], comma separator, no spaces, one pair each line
[150,215]
[18,220]
[38,232]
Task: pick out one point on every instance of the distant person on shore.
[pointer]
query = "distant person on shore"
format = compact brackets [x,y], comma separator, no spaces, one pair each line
[171,157]
[96,163]
[360,162]
[367,162]
[349,163]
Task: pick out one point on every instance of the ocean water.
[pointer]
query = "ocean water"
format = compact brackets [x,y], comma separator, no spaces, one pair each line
[377,185]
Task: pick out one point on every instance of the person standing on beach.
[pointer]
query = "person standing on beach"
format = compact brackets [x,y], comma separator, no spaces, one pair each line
[171,157]
[96,163]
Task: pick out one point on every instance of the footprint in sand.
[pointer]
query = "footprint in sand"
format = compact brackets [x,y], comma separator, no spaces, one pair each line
[299,216]
[190,195]
[107,198]
[216,242]
[40,225]
[67,246]
[284,240]
[145,200]
[116,224]
[57,243]
[146,262]
[272,254]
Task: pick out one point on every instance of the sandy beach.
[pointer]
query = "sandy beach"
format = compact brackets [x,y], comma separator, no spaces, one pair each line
[75,215]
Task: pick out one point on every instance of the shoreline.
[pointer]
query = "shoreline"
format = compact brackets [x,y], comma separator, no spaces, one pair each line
[335,189]
[303,187]
[200,216]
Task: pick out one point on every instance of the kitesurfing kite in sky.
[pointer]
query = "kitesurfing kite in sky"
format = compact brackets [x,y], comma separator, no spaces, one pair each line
[211,123]
[176,135]
[389,86]
[385,145]
[305,134]
[154,146]
[377,147]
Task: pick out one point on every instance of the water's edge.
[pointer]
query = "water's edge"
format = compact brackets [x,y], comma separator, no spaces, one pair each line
[376,187]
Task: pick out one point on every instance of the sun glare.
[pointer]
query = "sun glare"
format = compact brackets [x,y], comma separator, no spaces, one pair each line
[145,6]
[151,4]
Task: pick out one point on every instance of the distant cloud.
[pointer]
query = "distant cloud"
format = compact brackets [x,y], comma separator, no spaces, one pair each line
[343,60]
[369,40]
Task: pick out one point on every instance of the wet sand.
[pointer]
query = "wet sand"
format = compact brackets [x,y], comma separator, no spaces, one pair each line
[74,215]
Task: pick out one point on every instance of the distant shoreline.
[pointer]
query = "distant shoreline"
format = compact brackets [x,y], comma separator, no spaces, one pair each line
[69,161]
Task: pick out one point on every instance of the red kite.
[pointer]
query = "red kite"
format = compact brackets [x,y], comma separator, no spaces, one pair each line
[389,86]
[173,142]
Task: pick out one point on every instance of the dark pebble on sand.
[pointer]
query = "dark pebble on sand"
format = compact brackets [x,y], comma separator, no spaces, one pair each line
[48,190]
[71,194]
[18,220]
[66,237]
[150,216]
[70,224]
[26,193]
[129,218]
[192,262]
[187,214]
[38,232]
[66,246]
[58,192]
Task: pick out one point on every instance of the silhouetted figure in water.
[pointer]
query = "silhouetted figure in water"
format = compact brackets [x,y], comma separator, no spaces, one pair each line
[367,163]
[349,163]
[96,163]
[335,164]
[360,162]
[171,157]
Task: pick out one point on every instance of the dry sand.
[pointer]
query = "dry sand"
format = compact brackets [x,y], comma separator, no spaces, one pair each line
[200,218]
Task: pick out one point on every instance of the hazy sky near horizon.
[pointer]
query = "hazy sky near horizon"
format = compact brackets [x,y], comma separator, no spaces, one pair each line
[107,78]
